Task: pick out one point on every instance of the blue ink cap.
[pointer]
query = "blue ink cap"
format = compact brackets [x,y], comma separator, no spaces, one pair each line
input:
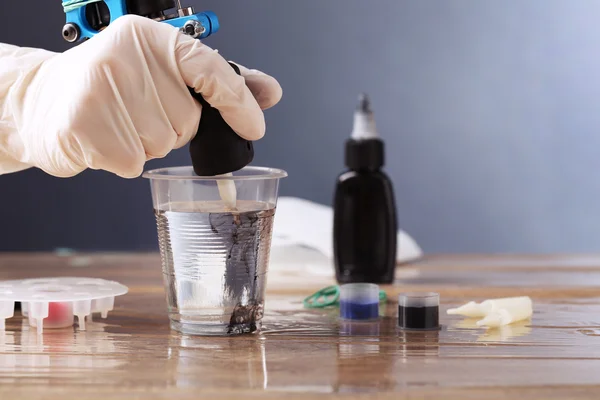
[359,301]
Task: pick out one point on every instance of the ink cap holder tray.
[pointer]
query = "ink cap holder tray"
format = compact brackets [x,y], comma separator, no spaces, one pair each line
[53,302]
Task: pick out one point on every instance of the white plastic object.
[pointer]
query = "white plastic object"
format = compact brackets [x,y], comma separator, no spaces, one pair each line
[60,315]
[228,192]
[474,310]
[497,312]
[103,306]
[58,298]
[504,317]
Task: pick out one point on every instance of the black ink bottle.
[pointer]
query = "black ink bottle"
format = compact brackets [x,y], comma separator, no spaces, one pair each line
[365,225]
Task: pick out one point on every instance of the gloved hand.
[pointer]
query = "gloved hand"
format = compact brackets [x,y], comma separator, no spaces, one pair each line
[119,99]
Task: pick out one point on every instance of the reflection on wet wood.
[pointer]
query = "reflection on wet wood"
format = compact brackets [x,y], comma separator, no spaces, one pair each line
[309,353]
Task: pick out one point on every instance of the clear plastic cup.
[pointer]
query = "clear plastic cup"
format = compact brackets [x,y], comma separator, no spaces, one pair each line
[214,253]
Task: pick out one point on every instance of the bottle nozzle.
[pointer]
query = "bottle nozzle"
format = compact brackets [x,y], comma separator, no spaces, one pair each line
[471,309]
[364,121]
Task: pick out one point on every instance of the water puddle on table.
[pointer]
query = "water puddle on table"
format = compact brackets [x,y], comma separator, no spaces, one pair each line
[312,350]
[555,330]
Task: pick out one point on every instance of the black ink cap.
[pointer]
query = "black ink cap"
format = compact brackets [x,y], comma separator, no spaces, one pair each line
[419,311]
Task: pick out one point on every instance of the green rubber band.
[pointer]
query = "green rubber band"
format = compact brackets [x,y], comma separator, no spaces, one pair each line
[330,296]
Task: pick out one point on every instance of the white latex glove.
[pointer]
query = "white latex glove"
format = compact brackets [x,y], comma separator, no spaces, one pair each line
[119,99]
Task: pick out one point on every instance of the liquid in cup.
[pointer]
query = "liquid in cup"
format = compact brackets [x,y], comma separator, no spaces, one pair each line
[215,257]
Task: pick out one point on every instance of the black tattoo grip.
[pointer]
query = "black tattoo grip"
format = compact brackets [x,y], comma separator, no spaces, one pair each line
[217,149]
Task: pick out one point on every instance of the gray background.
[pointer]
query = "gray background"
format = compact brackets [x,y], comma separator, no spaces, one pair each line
[490,112]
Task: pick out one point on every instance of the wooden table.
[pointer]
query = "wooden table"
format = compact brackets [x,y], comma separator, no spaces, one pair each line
[307,353]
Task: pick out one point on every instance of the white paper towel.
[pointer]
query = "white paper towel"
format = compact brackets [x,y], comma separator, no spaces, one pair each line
[303,237]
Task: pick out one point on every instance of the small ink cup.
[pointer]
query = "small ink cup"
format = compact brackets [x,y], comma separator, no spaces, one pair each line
[359,301]
[419,311]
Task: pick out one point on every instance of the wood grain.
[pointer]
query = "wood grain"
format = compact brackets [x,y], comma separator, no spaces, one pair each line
[309,353]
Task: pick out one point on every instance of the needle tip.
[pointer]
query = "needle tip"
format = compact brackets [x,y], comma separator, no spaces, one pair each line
[364,104]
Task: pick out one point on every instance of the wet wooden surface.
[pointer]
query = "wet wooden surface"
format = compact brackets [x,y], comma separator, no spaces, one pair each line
[309,354]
